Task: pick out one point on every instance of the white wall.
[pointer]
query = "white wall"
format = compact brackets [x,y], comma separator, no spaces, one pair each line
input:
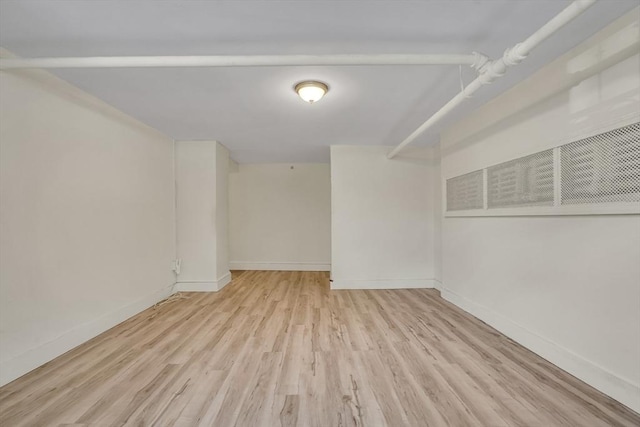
[201,204]
[566,287]
[86,218]
[383,230]
[280,217]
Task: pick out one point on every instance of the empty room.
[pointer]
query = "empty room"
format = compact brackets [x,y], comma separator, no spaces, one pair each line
[320,213]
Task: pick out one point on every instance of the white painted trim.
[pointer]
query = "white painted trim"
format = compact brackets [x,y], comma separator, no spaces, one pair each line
[383,284]
[214,286]
[618,208]
[31,359]
[621,389]
[223,280]
[19,365]
[196,287]
[279,266]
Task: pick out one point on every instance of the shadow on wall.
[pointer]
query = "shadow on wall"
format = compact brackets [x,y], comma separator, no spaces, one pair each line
[609,52]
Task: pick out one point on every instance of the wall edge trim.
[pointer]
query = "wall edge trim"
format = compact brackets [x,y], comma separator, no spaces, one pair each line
[618,388]
[33,358]
[223,280]
[383,284]
[279,266]
[204,286]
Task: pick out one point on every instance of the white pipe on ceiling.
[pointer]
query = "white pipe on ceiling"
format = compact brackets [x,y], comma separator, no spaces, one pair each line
[497,68]
[238,61]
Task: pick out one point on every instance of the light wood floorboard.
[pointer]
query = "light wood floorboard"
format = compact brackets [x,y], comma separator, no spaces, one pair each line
[281,349]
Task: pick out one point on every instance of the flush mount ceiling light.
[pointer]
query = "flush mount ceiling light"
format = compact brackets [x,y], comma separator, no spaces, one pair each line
[311,91]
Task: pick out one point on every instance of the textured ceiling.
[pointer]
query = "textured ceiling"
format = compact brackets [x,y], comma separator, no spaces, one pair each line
[254,111]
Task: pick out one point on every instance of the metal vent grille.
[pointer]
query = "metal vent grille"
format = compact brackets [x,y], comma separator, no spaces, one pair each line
[527,181]
[602,168]
[465,192]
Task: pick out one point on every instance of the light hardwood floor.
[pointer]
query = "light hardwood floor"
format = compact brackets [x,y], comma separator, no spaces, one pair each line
[280,349]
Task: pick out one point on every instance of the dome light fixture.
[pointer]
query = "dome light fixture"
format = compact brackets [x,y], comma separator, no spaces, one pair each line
[311,91]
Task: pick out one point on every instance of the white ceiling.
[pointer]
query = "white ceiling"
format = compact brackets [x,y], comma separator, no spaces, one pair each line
[254,111]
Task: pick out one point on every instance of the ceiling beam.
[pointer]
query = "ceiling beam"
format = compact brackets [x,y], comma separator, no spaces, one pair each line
[239,61]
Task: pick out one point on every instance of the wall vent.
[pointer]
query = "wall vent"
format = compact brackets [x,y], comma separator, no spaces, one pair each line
[602,168]
[527,181]
[465,192]
[595,175]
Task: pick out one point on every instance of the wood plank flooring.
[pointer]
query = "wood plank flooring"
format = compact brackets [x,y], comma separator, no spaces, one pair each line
[280,349]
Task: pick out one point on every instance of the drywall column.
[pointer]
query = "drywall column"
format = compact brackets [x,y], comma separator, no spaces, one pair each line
[222,216]
[382,218]
[201,201]
[437,217]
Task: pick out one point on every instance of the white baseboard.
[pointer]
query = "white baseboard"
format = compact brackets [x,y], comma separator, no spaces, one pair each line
[17,366]
[224,280]
[31,359]
[196,287]
[598,377]
[279,266]
[383,284]
[203,286]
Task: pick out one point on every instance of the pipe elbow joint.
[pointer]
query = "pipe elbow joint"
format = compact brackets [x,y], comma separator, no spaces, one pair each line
[492,71]
[512,56]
